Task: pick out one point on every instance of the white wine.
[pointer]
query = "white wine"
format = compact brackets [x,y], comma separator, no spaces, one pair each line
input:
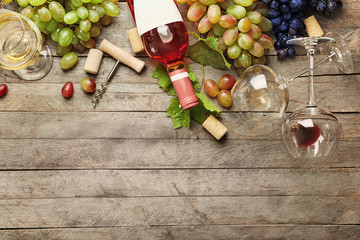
[20,41]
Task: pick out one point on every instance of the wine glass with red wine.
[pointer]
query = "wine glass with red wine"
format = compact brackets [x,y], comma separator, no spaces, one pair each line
[311,131]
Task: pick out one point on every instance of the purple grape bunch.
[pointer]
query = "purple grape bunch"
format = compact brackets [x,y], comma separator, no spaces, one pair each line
[286,17]
[325,6]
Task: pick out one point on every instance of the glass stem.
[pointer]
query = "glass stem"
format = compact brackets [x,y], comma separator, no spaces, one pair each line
[306,69]
[311,102]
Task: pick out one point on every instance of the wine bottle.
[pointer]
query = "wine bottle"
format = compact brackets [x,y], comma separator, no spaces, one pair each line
[166,40]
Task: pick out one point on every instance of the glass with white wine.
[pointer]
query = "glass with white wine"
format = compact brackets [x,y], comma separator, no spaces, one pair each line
[21,47]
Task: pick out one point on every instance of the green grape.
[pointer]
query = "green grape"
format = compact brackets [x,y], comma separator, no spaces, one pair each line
[44,14]
[218,30]
[37,2]
[69,6]
[244,25]
[51,25]
[226,4]
[71,17]
[96,1]
[244,3]
[98,24]
[244,59]
[63,50]
[82,12]
[75,40]
[214,13]
[230,36]
[245,41]
[237,11]
[28,12]
[46,32]
[265,25]
[85,25]
[91,6]
[204,25]
[100,10]
[68,60]
[227,21]
[257,50]
[79,48]
[234,51]
[94,31]
[85,1]
[65,37]
[93,16]
[106,20]
[255,31]
[57,11]
[40,24]
[254,17]
[20,9]
[91,43]
[110,9]
[266,41]
[77,3]
[207,2]
[55,33]
[196,11]
[221,45]
[84,36]
[23,3]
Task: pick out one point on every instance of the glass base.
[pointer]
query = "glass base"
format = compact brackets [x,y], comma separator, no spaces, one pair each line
[39,68]
[342,58]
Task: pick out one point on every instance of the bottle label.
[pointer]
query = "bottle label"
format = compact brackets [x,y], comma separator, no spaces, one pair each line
[150,14]
[178,75]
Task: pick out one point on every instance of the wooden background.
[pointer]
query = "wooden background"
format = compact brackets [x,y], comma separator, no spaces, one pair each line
[120,171]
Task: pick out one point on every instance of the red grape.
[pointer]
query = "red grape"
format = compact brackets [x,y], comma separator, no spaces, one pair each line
[67,90]
[224,98]
[226,82]
[88,85]
[211,88]
[3,89]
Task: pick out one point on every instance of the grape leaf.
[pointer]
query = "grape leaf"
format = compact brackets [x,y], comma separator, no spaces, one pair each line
[206,52]
[208,105]
[164,80]
[179,117]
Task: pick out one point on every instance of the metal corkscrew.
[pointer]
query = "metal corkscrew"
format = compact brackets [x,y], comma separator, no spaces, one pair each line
[100,92]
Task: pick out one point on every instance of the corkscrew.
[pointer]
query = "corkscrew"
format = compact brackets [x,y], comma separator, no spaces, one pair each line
[100,92]
[121,56]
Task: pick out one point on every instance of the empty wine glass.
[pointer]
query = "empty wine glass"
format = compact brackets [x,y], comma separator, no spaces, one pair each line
[261,94]
[311,131]
[21,47]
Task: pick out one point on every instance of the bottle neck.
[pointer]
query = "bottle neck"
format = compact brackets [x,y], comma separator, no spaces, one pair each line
[175,66]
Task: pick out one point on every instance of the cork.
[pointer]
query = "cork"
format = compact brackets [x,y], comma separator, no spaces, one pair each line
[313,27]
[122,55]
[135,40]
[216,128]
[93,61]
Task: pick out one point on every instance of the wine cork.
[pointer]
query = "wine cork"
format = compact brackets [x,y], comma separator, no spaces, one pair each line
[122,55]
[135,40]
[93,61]
[313,27]
[216,128]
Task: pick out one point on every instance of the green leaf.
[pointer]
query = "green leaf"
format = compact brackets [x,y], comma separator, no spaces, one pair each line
[179,117]
[208,105]
[199,113]
[206,52]
[161,74]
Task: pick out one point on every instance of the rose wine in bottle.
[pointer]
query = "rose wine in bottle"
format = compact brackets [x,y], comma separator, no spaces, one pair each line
[166,40]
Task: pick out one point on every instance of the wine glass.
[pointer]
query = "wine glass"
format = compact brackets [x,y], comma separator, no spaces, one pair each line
[261,94]
[22,48]
[311,131]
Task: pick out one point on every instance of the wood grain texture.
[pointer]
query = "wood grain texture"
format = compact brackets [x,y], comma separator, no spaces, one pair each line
[155,211]
[212,182]
[205,232]
[139,125]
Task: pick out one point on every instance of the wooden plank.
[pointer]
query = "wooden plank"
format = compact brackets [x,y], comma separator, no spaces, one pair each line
[138,125]
[130,96]
[218,182]
[155,211]
[161,154]
[212,232]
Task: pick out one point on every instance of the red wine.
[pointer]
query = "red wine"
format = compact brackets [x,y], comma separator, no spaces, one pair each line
[306,136]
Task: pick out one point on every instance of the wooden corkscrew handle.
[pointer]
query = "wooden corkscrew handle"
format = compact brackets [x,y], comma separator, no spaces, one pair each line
[122,55]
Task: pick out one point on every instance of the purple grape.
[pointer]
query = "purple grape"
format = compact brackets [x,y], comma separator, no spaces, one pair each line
[287,16]
[284,26]
[296,5]
[313,3]
[331,6]
[290,51]
[283,41]
[284,1]
[266,1]
[321,6]
[274,5]
[281,54]
[292,31]
[276,21]
[295,23]
[284,8]
[273,13]
[277,45]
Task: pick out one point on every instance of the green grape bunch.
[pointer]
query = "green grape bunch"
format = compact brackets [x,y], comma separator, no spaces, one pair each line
[239,26]
[73,24]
